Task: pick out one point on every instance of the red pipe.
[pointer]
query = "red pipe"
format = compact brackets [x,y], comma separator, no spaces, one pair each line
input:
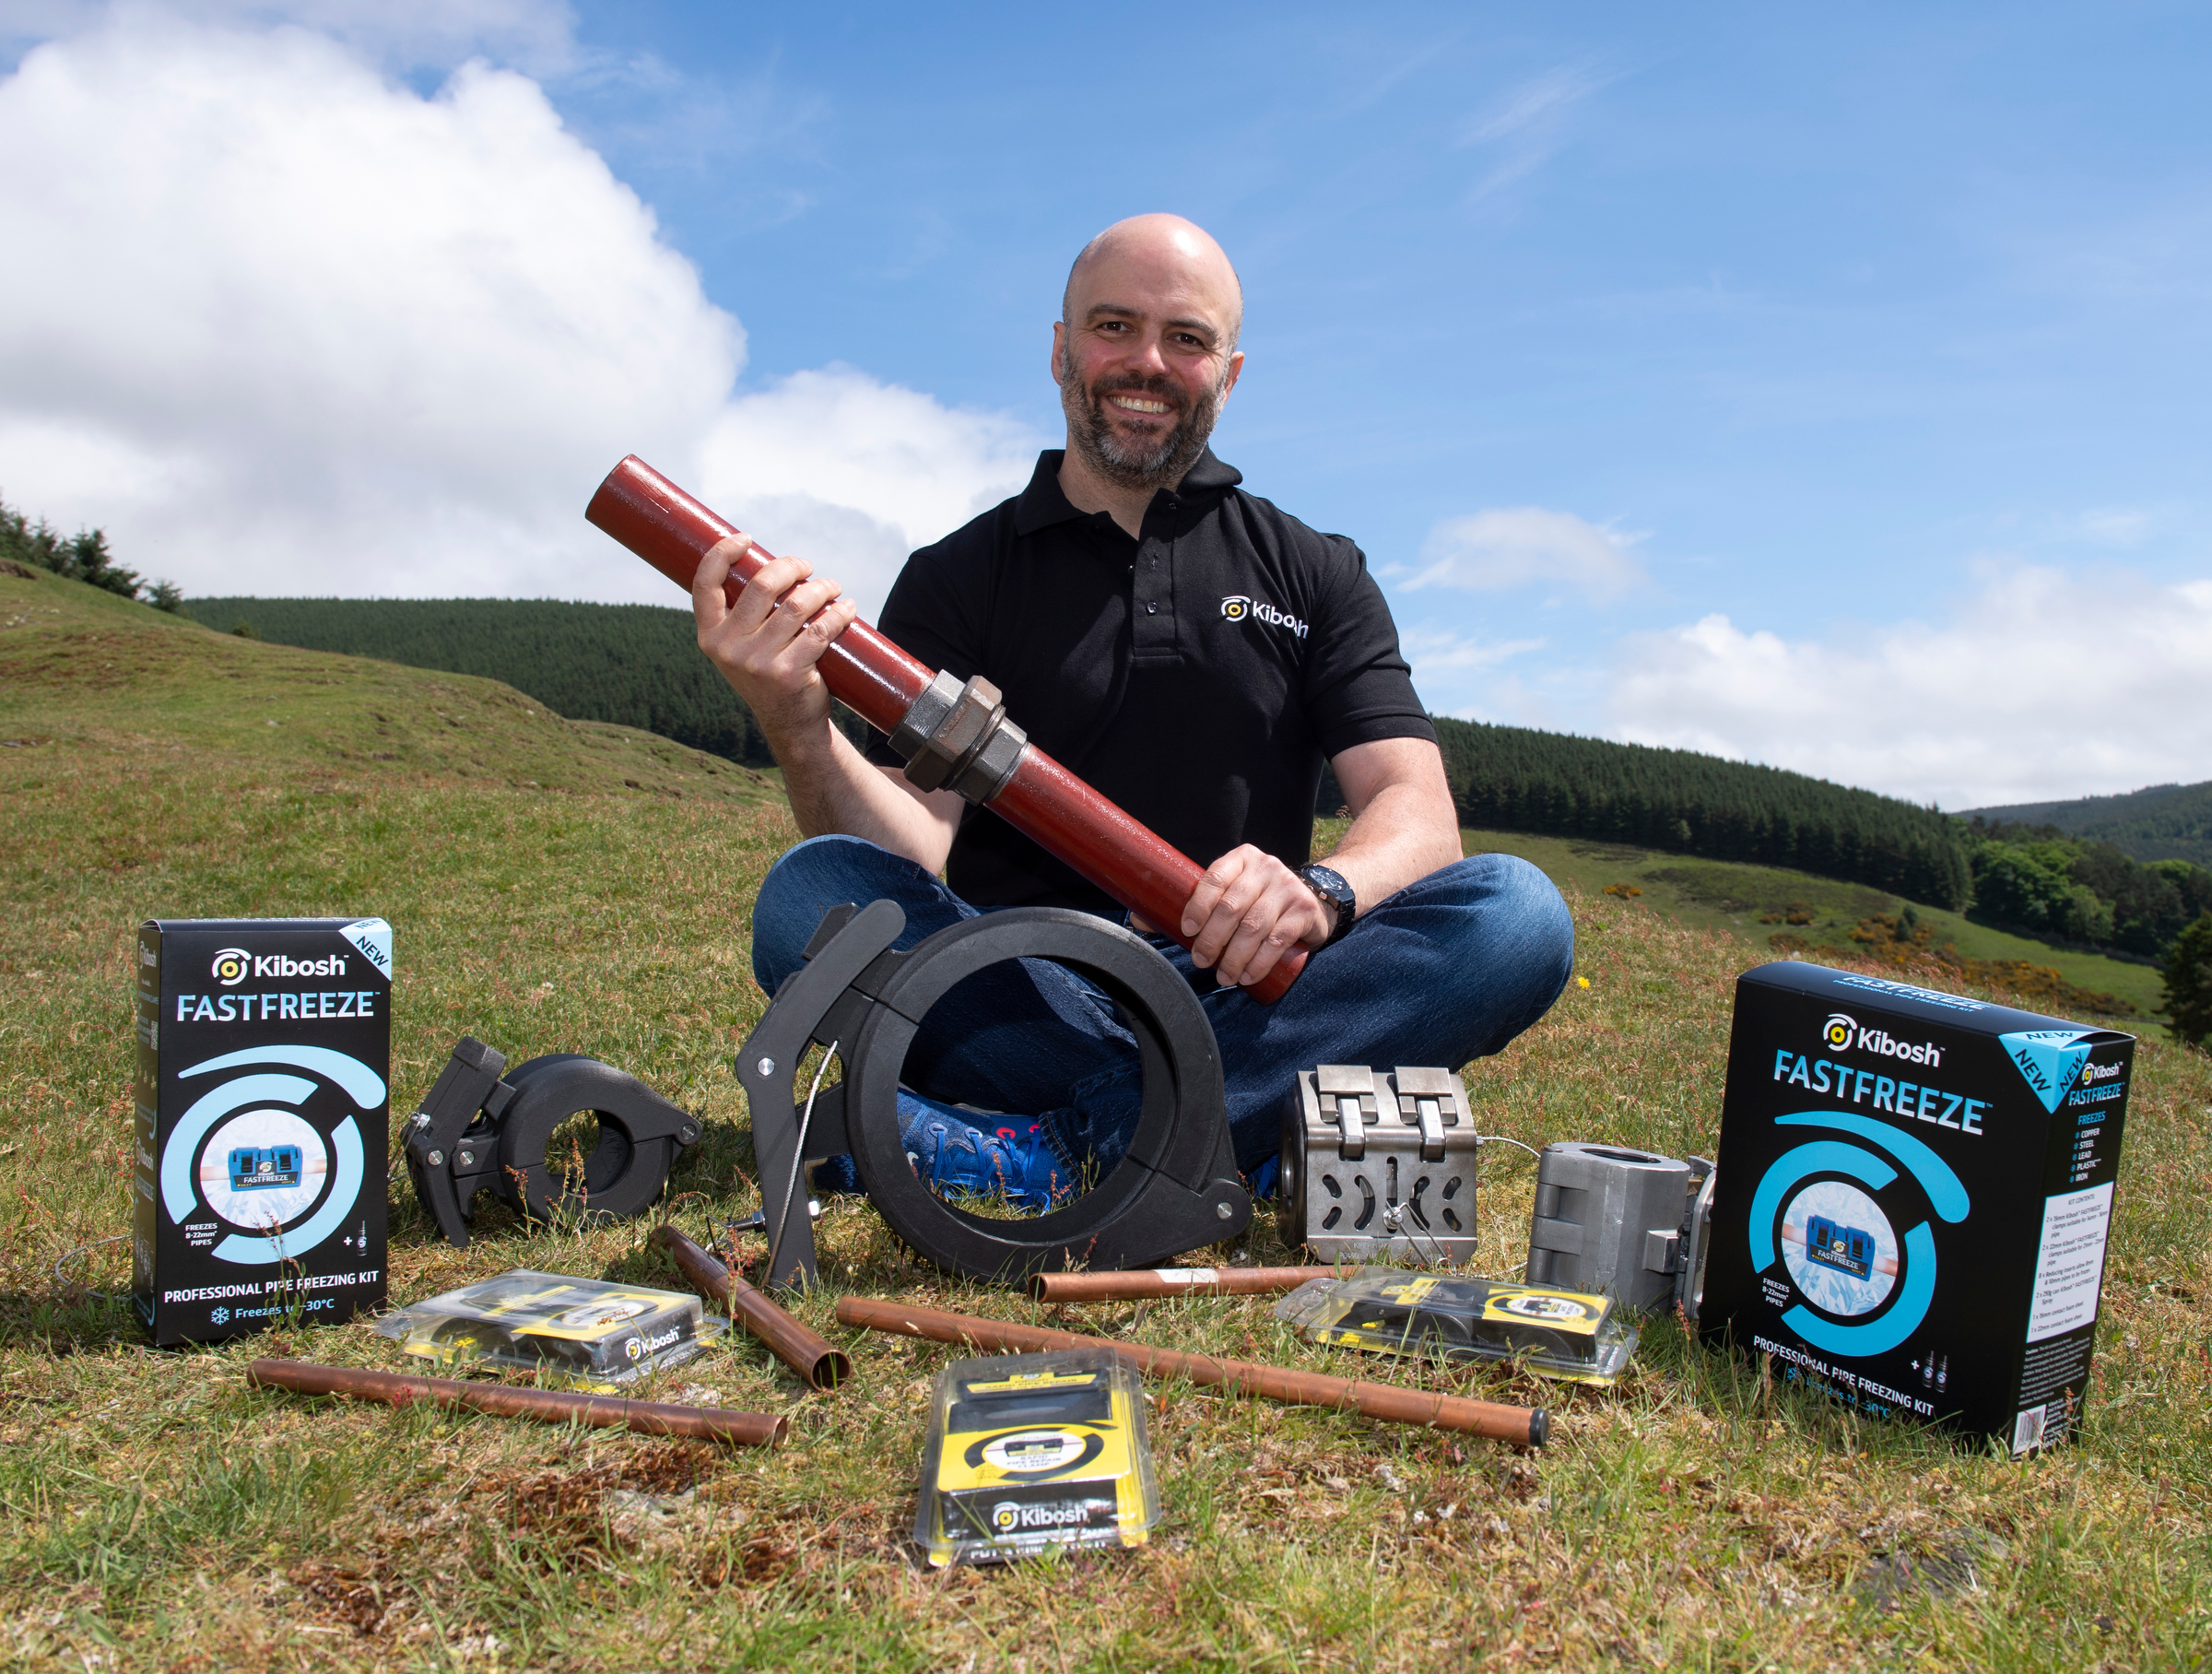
[877,681]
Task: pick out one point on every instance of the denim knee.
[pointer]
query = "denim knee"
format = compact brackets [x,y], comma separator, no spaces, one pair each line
[1535,931]
[807,880]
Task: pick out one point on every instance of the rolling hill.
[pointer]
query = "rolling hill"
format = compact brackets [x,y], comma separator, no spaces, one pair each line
[2162,822]
[88,673]
[164,1513]
[638,665]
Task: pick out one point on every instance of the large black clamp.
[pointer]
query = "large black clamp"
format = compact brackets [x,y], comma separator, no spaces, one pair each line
[1178,1187]
[481,1131]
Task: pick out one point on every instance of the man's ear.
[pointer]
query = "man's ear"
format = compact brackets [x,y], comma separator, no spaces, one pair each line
[1059,349]
[1236,366]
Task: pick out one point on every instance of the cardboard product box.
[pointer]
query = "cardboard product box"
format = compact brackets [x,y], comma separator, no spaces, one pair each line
[1913,1196]
[265,1051]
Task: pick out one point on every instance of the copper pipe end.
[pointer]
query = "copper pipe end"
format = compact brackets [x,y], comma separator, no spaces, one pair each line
[806,1351]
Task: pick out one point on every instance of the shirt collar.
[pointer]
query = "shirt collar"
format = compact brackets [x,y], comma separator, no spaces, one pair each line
[1042,503]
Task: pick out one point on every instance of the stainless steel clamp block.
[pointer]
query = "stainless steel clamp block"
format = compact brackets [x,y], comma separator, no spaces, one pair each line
[1378,1165]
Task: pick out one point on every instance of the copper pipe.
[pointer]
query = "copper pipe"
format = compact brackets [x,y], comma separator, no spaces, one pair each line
[546,1405]
[1173,1281]
[813,1357]
[1522,1426]
[877,681]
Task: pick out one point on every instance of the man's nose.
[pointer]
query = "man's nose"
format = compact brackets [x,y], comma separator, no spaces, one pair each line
[1147,352]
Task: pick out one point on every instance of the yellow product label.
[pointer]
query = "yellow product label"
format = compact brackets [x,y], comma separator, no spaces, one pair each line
[1032,1380]
[1565,1311]
[1408,1290]
[1040,1454]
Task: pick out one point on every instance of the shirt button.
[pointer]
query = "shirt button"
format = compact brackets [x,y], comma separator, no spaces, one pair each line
[1151,607]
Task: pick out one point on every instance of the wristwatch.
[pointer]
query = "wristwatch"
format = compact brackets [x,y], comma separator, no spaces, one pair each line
[1330,886]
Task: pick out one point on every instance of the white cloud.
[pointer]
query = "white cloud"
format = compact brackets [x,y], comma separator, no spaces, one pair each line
[281,324]
[2044,685]
[1438,648]
[1500,549]
[1451,668]
[2116,525]
[1527,125]
[883,469]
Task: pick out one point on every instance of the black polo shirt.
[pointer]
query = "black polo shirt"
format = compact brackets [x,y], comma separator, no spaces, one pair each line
[1198,675]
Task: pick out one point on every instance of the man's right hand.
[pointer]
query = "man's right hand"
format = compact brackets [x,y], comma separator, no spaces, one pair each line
[767,643]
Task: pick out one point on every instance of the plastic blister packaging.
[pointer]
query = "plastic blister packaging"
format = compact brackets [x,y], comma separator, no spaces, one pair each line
[1562,1334]
[1031,1451]
[585,1333]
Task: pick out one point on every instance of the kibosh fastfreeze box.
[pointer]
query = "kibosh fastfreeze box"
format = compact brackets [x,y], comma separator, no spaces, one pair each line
[1914,1191]
[265,1048]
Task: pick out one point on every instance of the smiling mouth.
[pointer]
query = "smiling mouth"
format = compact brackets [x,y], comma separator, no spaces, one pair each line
[1140,404]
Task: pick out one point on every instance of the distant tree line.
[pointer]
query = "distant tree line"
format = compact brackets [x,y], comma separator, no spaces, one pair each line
[2038,880]
[639,665]
[633,664]
[2158,822]
[1516,779]
[82,557]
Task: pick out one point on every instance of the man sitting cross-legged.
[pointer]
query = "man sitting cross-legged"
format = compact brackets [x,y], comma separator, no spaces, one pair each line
[1195,655]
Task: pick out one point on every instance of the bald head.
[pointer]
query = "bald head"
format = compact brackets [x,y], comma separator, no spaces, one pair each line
[1157,251]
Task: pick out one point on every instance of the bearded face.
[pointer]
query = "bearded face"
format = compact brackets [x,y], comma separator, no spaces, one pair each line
[1138,429]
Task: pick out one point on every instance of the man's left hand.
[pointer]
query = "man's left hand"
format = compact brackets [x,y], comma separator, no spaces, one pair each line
[1247,912]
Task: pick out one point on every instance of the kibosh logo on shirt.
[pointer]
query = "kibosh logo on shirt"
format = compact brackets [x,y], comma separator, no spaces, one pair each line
[1236,607]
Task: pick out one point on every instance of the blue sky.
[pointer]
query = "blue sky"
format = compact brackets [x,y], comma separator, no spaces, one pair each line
[1820,388]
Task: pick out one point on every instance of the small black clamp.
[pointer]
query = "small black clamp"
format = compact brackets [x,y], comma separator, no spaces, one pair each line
[958,738]
[478,1131]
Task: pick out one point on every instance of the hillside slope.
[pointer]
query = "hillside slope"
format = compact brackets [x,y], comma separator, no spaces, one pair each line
[2162,823]
[631,665]
[638,665]
[82,669]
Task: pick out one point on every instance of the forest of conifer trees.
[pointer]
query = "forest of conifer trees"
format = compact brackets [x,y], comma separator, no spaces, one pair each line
[1515,779]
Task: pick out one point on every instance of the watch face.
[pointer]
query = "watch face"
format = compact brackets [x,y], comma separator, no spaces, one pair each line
[1330,885]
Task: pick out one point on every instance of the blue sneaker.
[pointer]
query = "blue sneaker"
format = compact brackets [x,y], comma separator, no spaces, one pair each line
[1008,1159]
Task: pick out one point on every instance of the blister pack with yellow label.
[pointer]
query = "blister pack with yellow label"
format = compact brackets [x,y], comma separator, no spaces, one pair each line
[587,1333]
[1562,1334]
[1031,1451]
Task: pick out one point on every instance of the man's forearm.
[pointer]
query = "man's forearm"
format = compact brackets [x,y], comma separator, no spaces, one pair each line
[833,789]
[1407,828]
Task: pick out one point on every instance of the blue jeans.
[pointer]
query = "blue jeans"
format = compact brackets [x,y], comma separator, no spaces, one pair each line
[1448,969]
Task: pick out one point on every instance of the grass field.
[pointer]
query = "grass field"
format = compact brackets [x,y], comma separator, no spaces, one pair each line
[1755,904]
[157,1515]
